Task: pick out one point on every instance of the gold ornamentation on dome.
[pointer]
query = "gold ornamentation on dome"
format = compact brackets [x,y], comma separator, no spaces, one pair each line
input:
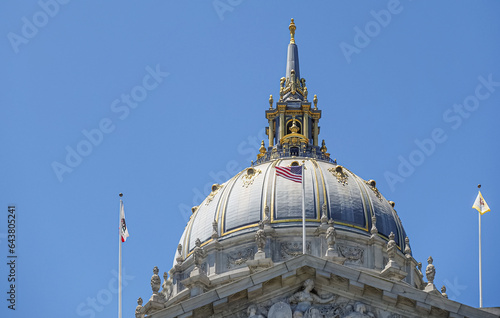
[339,173]
[271,101]
[294,129]
[215,189]
[373,186]
[324,149]
[315,101]
[293,82]
[292,28]
[282,88]
[262,150]
[249,177]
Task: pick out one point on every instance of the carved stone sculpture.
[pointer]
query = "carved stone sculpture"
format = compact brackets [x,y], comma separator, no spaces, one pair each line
[138,313]
[391,247]
[260,261]
[419,271]
[252,312]
[198,254]
[443,292]
[324,217]
[280,310]
[179,258]
[407,247]
[267,218]
[166,286]
[331,235]
[314,313]
[430,270]
[260,238]
[392,269]
[360,311]
[374,229]
[155,281]
[305,298]
[215,232]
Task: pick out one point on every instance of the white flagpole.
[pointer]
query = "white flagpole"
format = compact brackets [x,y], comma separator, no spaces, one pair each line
[480,268]
[120,260]
[303,213]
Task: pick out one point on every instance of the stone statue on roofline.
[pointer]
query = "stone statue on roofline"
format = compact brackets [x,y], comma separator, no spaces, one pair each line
[430,270]
[260,238]
[198,254]
[155,281]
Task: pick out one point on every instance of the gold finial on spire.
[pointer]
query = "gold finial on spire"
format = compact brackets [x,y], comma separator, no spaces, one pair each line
[292,32]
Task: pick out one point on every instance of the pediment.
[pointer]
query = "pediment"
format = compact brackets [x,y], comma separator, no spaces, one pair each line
[338,291]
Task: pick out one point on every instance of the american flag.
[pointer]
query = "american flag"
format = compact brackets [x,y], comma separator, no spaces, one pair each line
[293,173]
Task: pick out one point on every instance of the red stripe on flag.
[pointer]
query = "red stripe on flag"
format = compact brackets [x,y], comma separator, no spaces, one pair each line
[290,173]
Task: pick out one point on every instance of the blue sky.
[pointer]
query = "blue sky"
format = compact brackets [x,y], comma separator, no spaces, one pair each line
[409,92]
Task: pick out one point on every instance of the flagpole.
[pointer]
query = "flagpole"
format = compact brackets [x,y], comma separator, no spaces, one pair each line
[303,213]
[480,268]
[120,260]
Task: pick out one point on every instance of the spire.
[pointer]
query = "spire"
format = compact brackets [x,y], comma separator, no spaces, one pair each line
[293,124]
[292,62]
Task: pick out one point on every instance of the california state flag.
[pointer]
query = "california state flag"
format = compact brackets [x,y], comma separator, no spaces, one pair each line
[123,225]
[480,204]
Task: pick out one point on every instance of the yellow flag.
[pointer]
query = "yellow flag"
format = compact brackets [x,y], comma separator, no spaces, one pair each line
[480,204]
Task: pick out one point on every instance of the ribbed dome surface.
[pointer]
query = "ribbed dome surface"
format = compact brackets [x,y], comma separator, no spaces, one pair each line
[239,204]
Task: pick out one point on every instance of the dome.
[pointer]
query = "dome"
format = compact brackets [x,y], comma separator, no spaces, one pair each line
[256,194]
[259,218]
[259,241]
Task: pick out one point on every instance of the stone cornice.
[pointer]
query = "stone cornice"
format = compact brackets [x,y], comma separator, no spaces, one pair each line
[341,280]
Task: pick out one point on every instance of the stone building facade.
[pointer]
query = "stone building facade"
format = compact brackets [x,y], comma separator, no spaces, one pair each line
[242,251]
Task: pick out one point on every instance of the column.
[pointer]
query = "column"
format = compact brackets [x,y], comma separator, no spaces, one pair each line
[271,132]
[282,125]
[306,125]
[315,136]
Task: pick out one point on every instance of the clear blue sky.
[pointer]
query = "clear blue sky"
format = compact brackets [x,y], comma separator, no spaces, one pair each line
[388,83]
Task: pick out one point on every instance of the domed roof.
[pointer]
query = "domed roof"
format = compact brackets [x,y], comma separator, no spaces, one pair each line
[255,219]
[257,194]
